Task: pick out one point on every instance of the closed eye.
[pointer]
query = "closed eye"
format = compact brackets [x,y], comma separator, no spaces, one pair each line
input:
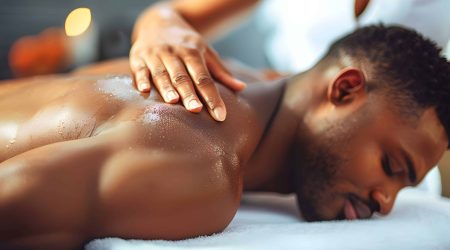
[411,169]
[385,163]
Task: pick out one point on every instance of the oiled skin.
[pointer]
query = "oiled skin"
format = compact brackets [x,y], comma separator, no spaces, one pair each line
[87,157]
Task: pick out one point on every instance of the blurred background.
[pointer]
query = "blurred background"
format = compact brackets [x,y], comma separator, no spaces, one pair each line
[55,36]
[35,31]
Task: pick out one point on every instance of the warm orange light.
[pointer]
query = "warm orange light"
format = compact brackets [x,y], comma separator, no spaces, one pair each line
[78,21]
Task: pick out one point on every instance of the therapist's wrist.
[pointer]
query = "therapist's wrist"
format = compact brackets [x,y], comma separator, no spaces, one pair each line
[158,15]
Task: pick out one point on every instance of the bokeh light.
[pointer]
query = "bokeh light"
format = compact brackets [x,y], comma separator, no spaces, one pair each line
[78,21]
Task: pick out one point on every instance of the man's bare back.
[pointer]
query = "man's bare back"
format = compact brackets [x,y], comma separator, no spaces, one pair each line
[87,157]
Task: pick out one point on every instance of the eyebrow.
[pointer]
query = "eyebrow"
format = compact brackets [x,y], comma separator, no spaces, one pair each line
[411,169]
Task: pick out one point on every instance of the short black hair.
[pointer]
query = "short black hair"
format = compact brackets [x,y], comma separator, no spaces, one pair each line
[404,61]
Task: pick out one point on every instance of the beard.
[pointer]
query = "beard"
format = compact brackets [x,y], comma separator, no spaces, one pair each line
[314,180]
[317,163]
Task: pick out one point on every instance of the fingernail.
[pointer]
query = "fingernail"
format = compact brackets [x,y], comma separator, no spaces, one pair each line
[243,84]
[194,104]
[171,96]
[143,86]
[220,114]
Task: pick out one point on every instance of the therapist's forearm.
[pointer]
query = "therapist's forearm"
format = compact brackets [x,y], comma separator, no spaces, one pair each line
[205,16]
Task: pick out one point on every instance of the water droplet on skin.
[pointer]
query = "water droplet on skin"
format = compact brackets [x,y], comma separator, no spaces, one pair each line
[12,141]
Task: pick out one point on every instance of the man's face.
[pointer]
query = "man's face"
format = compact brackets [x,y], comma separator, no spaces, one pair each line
[360,163]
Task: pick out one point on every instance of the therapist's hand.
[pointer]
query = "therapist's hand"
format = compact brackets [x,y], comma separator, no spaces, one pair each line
[173,57]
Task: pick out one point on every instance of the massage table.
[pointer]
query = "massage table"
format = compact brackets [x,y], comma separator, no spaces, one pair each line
[420,220]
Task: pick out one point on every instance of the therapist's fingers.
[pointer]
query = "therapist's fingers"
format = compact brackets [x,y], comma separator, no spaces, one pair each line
[161,79]
[140,73]
[181,81]
[204,84]
[218,70]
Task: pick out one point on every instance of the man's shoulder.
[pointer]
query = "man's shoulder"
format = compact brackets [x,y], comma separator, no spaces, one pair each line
[177,194]
[162,137]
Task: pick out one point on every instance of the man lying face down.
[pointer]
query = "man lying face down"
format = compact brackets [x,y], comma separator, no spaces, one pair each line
[88,157]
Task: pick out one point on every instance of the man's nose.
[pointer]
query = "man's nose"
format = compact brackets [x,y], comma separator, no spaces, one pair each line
[385,199]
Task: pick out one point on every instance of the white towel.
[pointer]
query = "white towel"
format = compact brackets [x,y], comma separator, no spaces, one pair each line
[271,221]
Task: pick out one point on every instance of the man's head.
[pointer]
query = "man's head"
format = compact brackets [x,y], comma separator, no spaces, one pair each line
[381,123]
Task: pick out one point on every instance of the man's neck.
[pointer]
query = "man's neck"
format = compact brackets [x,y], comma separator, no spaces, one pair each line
[283,108]
[264,165]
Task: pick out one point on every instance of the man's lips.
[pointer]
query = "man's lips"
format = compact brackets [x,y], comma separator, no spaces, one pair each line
[355,208]
[349,210]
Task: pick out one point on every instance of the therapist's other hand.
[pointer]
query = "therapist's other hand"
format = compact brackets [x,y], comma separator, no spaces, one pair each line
[173,57]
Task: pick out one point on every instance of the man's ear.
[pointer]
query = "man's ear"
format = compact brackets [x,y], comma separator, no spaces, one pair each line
[348,85]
